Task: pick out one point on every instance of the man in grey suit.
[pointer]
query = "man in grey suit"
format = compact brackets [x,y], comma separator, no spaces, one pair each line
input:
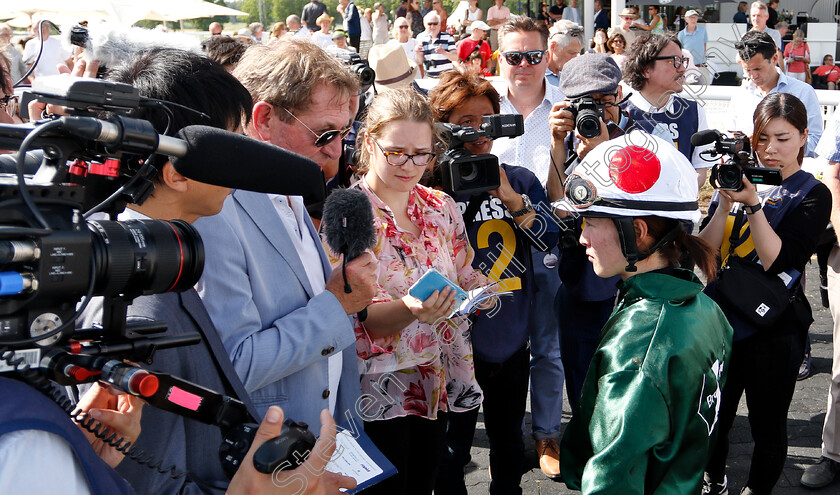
[199,83]
[281,312]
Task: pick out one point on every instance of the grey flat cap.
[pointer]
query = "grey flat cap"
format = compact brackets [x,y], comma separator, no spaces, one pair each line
[588,74]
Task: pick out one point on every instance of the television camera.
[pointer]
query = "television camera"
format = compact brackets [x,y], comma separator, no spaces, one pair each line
[97,159]
[728,175]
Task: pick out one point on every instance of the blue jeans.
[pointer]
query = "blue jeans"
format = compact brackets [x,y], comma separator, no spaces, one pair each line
[505,387]
[547,374]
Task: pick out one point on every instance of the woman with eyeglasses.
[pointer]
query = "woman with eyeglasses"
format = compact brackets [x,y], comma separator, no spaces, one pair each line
[415,361]
[402,35]
[618,45]
[776,228]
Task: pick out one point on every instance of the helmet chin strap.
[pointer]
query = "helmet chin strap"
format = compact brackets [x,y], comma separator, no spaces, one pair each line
[629,248]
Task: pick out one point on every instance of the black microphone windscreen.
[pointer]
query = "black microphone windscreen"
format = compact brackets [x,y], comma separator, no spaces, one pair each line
[223,158]
[703,138]
[348,222]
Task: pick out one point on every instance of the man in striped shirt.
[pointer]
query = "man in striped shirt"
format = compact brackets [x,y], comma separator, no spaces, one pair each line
[435,49]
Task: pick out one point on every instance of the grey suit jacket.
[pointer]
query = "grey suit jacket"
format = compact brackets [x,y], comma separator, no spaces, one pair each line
[277,333]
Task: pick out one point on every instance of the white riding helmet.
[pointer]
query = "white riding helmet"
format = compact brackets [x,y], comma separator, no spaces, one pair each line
[634,175]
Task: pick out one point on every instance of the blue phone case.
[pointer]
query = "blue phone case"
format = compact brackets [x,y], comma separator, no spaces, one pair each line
[431,281]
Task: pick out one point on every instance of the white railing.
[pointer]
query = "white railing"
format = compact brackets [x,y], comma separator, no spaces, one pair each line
[715,99]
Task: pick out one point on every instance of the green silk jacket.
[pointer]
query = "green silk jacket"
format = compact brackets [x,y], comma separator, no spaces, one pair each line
[649,403]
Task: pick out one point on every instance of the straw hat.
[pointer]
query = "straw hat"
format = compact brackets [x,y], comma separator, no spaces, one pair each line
[628,12]
[392,67]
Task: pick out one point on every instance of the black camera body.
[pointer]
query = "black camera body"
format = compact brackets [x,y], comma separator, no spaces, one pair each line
[588,115]
[729,175]
[460,172]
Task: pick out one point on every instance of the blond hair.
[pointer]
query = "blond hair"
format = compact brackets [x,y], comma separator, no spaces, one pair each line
[286,74]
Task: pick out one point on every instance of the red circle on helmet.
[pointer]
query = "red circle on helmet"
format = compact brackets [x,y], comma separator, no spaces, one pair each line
[634,169]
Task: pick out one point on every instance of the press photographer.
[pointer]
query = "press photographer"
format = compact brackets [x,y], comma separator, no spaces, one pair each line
[502,225]
[765,236]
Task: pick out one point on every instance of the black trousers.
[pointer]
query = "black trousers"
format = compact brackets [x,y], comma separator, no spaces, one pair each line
[581,323]
[414,445]
[505,387]
[764,366]
[356,42]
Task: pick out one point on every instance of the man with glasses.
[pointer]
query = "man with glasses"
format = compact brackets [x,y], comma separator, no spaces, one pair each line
[758,56]
[523,45]
[628,16]
[655,69]
[565,39]
[435,50]
[282,315]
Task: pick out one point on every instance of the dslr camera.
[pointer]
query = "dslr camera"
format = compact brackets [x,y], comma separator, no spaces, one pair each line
[588,115]
[460,172]
[358,66]
[739,163]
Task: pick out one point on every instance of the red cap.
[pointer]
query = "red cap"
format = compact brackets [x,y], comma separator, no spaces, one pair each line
[145,384]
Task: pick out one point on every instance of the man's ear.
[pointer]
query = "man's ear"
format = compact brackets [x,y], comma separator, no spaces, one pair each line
[172,179]
[261,115]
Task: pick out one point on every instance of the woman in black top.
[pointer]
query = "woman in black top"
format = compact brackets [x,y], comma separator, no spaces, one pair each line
[779,227]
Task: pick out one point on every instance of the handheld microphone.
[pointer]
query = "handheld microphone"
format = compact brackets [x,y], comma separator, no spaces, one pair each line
[703,138]
[348,227]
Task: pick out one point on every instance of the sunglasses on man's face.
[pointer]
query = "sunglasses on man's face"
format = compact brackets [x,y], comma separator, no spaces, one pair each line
[533,57]
[324,138]
[752,44]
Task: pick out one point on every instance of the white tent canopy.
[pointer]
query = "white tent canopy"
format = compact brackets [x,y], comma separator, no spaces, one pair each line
[123,11]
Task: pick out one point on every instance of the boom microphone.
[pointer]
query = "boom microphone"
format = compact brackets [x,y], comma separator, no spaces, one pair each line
[114,43]
[703,138]
[348,227]
[222,158]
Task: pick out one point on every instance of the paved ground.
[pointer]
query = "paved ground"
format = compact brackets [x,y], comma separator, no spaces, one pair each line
[804,426]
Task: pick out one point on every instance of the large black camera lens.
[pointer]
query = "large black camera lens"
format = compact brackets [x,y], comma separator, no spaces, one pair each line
[145,256]
[728,177]
[366,75]
[588,124]
[468,172]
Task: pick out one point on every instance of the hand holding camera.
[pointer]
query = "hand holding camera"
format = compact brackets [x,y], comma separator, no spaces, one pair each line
[584,116]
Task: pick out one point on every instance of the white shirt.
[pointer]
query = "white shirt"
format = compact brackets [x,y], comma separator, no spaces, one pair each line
[36,461]
[668,134]
[745,100]
[53,55]
[531,150]
[322,39]
[367,33]
[292,212]
[303,32]
[408,47]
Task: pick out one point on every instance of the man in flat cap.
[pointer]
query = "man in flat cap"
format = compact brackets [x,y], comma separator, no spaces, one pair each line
[584,301]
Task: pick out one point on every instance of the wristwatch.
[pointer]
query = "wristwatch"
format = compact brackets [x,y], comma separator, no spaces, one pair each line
[752,209]
[524,211]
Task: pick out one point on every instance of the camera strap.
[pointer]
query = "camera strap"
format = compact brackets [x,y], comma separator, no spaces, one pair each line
[472,209]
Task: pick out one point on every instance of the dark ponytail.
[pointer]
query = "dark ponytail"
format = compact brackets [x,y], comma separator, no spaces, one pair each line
[696,249]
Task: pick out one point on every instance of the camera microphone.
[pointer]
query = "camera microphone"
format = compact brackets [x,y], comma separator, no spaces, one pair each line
[223,158]
[112,44]
[703,138]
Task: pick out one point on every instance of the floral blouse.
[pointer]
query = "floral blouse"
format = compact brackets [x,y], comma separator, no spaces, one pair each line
[423,368]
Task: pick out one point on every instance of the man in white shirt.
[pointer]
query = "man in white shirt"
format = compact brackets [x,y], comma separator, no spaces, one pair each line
[282,315]
[296,29]
[523,62]
[52,57]
[758,56]
[565,39]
